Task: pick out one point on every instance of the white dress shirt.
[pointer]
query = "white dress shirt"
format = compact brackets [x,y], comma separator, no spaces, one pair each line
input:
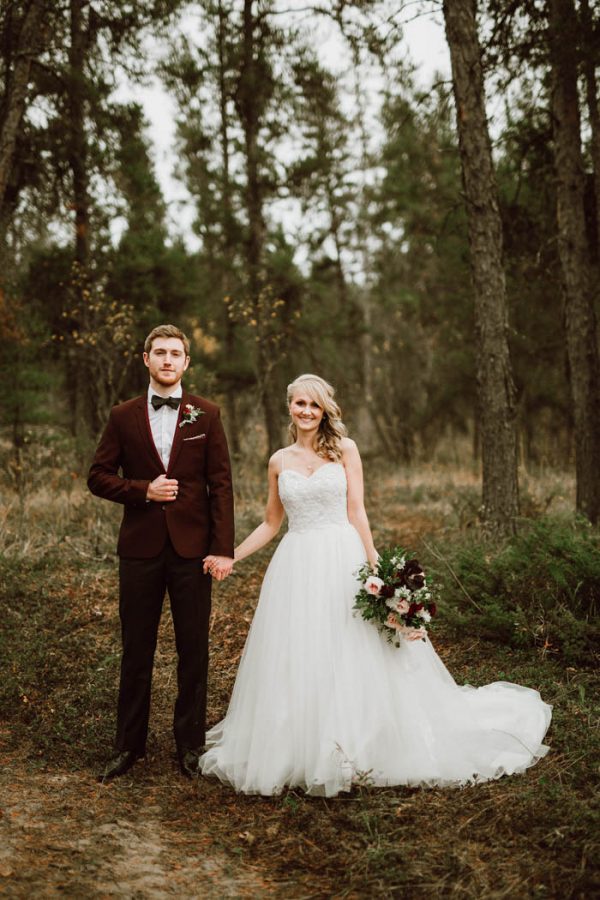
[163,422]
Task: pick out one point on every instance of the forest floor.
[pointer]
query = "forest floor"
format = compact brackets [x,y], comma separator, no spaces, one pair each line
[152,834]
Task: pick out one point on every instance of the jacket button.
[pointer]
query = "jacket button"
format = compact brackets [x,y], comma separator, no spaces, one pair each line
[163,507]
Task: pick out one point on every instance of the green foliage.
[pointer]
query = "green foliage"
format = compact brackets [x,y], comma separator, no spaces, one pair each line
[541,587]
[537,342]
[423,361]
[352,201]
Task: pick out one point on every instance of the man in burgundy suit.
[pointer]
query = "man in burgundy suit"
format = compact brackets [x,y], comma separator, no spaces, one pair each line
[164,457]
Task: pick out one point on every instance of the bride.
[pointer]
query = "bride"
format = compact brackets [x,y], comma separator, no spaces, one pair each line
[321,700]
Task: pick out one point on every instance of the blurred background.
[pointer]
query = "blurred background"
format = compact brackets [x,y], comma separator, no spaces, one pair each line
[285,186]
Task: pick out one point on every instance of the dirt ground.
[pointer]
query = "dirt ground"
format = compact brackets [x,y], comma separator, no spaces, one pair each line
[61,834]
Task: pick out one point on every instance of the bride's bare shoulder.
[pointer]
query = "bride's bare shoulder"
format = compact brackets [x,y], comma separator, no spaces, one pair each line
[276,460]
[350,455]
[348,446]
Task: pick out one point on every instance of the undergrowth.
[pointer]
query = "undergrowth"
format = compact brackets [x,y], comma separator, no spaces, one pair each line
[539,588]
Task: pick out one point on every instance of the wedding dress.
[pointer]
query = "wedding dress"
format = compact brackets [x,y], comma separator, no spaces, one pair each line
[321,700]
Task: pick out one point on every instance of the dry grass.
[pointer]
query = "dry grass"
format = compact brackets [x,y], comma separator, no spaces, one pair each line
[153,834]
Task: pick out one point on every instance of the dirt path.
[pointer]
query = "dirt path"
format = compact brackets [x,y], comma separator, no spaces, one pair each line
[62,834]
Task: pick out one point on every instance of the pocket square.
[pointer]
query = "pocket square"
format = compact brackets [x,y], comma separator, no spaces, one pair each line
[195,437]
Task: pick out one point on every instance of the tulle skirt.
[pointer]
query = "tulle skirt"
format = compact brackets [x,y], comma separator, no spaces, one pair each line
[321,700]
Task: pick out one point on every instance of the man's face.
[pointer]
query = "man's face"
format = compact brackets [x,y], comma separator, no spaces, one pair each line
[166,362]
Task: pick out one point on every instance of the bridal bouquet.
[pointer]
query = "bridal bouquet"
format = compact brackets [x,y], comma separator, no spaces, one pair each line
[396,596]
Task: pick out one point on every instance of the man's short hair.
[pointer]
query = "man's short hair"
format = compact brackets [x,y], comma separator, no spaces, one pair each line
[167,331]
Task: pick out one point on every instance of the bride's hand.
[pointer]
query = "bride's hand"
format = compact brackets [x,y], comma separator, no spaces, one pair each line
[373,560]
[413,634]
[220,567]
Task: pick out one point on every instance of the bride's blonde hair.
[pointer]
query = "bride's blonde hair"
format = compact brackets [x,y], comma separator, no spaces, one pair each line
[331,429]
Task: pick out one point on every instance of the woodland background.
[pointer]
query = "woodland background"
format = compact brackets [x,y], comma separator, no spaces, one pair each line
[330,212]
[440,267]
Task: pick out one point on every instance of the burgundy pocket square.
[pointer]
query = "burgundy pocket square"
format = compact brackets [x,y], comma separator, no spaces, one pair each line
[195,437]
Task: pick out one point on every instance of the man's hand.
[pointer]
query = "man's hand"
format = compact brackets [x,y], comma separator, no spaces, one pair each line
[218,566]
[162,489]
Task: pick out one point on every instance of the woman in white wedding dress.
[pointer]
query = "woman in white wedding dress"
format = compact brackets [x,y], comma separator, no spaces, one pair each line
[321,700]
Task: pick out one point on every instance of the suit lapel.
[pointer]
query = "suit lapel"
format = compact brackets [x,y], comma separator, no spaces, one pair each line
[146,431]
[177,437]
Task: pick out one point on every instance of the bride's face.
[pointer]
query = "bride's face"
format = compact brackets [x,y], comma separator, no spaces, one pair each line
[306,413]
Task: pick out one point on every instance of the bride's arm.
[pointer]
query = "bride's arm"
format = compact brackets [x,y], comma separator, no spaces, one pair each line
[356,502]
[271,523]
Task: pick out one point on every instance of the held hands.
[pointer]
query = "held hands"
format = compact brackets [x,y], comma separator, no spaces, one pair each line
[220,567]
[162,489]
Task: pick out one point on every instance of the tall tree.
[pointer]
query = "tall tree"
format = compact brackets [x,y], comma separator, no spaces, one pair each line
[254,90]
[591,59]
[500,500]
[78,150]
[23,42]
[580,318]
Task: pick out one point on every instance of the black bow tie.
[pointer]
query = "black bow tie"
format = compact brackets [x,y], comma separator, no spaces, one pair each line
[157,401]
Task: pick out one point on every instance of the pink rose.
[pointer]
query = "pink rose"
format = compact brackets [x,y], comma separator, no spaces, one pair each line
[392,621]
[373,585]
[403,606]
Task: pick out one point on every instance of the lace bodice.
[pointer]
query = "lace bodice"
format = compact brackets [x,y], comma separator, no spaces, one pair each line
[315,501]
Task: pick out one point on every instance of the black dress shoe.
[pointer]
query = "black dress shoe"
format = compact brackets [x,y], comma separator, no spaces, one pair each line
[188,761]
[118,765]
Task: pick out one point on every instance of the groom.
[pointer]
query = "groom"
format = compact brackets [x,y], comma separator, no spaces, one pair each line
[164,457]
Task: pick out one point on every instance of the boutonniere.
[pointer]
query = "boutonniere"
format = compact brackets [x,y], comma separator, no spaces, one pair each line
[190,414]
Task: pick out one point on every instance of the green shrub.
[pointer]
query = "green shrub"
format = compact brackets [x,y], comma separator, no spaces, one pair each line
[540,587]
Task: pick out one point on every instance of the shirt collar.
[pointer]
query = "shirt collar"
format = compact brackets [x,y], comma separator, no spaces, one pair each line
[178,392]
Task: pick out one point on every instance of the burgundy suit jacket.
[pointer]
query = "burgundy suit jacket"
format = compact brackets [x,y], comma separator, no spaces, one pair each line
[200,520]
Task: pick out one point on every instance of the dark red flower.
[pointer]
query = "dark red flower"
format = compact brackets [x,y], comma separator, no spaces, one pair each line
[412,575]
[432,609]
[386,591]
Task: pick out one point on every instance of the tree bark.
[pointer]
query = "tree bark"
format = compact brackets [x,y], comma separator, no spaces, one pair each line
[500,501]
[77,137]
[28,47]
[582,346]
[83,376]
[250,104]
[227,237]
[591,58]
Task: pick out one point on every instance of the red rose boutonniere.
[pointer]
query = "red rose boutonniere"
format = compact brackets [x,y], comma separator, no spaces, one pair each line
[190,414]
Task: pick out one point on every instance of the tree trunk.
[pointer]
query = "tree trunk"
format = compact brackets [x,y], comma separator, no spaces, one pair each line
[591,58]
[500,500]
[77,138]
[228,246]
[366,414]
[28,46]
[582,346]
[335,232]
[250,104]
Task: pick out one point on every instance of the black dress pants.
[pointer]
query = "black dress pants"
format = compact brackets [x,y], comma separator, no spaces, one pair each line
[143,583]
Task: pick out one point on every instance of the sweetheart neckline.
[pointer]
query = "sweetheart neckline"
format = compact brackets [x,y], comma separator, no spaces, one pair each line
[308,477]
